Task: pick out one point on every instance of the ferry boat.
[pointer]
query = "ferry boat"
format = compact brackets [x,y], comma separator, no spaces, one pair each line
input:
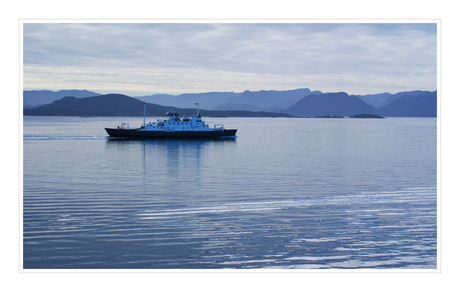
[174,127]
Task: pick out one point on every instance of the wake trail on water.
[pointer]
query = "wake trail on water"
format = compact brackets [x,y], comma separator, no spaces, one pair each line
[65,137]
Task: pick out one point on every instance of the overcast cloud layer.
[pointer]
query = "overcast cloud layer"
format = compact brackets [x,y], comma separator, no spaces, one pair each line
[186,58]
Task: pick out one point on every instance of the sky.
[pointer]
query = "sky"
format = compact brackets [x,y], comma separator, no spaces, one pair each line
[147,58]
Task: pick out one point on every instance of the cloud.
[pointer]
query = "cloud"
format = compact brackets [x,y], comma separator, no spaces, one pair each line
[201,57]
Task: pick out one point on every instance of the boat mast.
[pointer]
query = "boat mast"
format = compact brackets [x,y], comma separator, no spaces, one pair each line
[197,110]
[144,114]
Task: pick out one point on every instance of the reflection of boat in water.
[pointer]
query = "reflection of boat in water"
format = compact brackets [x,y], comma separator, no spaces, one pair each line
[174,127]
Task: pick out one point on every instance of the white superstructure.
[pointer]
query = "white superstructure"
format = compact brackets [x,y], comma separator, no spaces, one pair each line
[176,123]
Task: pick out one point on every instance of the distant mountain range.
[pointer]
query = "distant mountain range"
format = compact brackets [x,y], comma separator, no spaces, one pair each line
[404,104]
[340,104]
[422,104]
[34,98]
[122,105]
[375,99]
[300,102]
[271,100]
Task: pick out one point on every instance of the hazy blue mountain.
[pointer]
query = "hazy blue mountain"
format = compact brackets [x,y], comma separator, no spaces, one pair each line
[102,105]
[237,107]
[264,100]
[207,100]
[393,97]
[271,100]
[423,104]
[122,105]
[374,99]
[340,104]
[34,98]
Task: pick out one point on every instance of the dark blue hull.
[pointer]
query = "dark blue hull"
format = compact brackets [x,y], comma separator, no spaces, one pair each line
[135,133]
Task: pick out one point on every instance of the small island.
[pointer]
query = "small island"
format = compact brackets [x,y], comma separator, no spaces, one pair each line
[366,116]
[330,117]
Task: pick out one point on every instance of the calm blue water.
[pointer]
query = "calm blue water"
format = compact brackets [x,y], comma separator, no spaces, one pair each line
[287,193]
